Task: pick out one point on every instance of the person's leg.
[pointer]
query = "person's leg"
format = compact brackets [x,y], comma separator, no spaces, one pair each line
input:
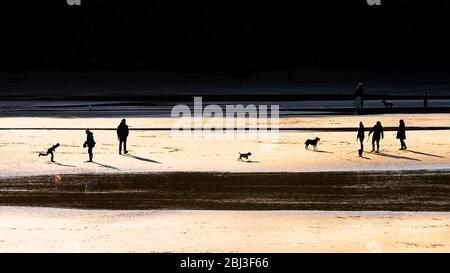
[90,154]
[125,145]
[373,144]
[402,141]
[120,146]
[52,156]
[362,144]
[378,145]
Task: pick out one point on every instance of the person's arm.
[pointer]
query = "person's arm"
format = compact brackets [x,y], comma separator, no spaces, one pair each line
[382,133]
[127,131]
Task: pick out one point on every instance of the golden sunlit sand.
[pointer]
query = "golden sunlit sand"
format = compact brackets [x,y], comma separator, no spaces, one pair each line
[158,151]
[61,230]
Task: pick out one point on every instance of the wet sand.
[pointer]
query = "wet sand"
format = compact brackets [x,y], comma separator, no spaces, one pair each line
[355,191]
[25,229]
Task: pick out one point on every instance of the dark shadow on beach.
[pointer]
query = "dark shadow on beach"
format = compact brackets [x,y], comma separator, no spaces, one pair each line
[426,154]
[60,164]
[363,157]
[251,161]
[103,165]
[143,159]
[397,156]
[324,152]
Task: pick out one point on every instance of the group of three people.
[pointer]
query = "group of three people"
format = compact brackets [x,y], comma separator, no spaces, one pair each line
[378,134]
[122,135]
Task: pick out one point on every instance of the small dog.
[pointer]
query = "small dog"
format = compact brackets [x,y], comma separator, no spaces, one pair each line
[312,142]
[387,104]
[360,152]
[245,156]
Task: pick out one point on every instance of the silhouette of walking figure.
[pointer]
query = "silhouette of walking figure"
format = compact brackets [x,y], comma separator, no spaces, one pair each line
[401,134]
[359,92]
[122,134]
[50,151]
[361,136]
[378,134]
[90,143]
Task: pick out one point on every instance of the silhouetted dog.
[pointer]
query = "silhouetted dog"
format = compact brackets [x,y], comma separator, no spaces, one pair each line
[312,142]
[387,104]
[360,152]
[241,156]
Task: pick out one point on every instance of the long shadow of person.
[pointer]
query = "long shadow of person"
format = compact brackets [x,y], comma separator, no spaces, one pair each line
[426,154]
[143,159]
[104,165]
[397,156]
[324,152]
[60,164]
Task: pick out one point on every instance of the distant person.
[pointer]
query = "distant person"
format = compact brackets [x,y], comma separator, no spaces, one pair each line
[50,151]
[401,134]
[359,95]
[361,136]
[378,134]
[90,143]
[122,134]
[425,100]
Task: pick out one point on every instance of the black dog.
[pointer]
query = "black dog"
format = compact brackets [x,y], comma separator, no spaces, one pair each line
[312,142]
[241,156]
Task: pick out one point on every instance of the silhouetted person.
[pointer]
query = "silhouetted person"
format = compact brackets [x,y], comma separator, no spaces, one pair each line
[361,135]
[378,134]
[401,134]
[90,143]
[122,134]
[425,100]
[359,92]
[50,151]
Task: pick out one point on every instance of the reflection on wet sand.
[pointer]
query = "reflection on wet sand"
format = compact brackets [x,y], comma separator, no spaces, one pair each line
[394,191]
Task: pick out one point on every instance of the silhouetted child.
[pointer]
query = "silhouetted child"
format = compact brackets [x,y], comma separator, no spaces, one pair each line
[50,151]
[401,134]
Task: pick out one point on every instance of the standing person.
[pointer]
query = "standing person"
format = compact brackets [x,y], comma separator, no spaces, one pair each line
[401,134]
[361,136]
[90,143]
[50,151]
[359,92]
[378,134]
[122,134]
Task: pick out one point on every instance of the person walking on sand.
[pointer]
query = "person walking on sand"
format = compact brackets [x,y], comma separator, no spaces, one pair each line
[122,134]
[361,135]
[50,151]
[378,134]
[90,143]
[401,134]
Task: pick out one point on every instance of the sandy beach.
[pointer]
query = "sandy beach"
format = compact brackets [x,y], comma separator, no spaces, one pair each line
[158,151]
[242,226]
[58,230]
